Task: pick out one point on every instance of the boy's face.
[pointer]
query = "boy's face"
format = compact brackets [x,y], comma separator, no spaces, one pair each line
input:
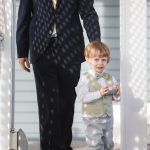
[97,63]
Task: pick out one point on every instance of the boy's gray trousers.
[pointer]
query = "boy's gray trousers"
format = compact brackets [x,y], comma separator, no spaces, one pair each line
[99,132]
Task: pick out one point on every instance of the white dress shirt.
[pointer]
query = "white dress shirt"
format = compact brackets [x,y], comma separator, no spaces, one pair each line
[54,34]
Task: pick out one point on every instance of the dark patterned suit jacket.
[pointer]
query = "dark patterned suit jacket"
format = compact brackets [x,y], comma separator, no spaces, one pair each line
[35,23]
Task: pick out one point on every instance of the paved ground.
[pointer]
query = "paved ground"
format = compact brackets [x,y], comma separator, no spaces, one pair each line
[80,145]
[76,144]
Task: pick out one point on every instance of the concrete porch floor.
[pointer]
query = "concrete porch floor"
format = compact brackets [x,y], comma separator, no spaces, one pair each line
[76,144]
[81,145]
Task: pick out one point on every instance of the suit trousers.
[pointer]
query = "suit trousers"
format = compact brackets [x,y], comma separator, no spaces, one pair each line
[55,87]
[99,132]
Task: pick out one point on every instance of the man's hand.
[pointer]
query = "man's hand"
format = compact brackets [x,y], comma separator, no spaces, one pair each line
[24,63]
[117,93]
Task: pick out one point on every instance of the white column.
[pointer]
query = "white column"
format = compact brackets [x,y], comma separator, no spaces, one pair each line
[5,74]
[133,74]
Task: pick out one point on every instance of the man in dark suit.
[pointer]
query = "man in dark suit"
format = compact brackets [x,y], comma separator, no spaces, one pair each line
[54,36]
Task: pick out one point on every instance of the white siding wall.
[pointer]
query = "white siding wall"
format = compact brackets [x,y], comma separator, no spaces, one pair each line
[148,69]
[26,107]
[148,53]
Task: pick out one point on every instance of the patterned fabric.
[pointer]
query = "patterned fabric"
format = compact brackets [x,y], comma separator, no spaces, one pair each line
[56,96]
[102,105]
[36,19]
[103,75]
[56,61]
[99,133]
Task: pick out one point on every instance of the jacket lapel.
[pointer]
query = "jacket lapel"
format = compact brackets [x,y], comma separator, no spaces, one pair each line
[58,4]
[51,4]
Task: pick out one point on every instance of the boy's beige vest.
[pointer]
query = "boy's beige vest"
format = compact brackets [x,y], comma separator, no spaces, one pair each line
[102,105]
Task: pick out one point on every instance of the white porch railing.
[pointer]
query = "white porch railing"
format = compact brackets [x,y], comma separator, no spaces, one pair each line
[5,29]
[133,67]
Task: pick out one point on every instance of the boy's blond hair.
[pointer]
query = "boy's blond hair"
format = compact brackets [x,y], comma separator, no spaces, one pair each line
[96,48]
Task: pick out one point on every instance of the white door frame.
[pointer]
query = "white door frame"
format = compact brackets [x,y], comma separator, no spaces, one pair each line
[133,69]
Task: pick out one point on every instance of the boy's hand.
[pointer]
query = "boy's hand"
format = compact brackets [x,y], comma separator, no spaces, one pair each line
[104,90]
[117,93]
[24,63]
